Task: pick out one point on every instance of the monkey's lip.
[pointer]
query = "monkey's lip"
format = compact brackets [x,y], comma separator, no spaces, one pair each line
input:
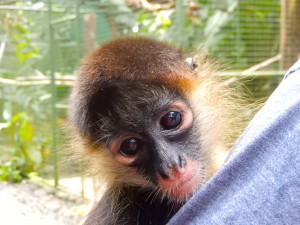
[185,187]
[182,184]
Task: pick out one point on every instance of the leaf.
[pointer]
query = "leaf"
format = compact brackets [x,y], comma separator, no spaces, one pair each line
[7,111]
[165,21]
[17,117]
[26,131]
[45,97]
[35,155]
[4,125]
[214,25]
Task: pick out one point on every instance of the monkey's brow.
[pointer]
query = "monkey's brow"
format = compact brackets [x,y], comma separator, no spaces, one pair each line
[103,134]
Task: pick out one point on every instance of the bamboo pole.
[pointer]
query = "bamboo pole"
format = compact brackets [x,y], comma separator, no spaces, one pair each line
[289,33]
[54,94]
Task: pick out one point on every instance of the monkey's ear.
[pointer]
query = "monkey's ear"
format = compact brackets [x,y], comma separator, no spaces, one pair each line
[190,63]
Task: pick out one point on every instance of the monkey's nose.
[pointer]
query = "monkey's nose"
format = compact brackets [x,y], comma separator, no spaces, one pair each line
[182,162]
[173,171]
[163,174]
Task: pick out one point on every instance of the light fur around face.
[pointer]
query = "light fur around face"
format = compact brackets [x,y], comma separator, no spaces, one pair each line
[218,118]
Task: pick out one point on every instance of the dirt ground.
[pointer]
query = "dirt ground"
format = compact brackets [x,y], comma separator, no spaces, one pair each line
[32,204]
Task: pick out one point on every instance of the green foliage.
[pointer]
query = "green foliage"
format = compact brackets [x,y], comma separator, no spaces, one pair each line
[13,170]
[203,25]
[26,157]
[239,31]
[156,24]
[17,29]
[26,143]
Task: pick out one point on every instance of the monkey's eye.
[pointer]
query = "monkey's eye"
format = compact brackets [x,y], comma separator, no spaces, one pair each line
[130,147]
[170,120]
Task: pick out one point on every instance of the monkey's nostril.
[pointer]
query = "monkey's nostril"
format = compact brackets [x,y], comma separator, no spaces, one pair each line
[163,174]
[173,171]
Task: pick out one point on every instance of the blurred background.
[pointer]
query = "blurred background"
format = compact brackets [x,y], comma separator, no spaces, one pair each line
[42,43]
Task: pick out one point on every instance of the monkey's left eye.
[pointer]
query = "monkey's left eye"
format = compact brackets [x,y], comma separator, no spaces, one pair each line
[130,147]
[171,120]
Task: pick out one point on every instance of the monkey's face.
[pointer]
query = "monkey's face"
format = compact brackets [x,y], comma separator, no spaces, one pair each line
[148,127]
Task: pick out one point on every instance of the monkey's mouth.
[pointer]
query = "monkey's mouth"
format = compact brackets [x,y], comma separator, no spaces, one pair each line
[184,186]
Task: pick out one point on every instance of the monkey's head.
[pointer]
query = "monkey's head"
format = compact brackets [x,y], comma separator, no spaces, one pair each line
[134,105]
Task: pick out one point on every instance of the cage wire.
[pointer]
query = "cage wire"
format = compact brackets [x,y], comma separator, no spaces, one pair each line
[42,43]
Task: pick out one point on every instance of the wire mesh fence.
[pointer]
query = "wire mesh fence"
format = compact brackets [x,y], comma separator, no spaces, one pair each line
[42,43]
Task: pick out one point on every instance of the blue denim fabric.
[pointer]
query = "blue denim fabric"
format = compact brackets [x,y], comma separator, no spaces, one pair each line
[260,182]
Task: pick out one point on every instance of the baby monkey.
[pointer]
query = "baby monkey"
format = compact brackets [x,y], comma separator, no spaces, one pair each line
[153,125]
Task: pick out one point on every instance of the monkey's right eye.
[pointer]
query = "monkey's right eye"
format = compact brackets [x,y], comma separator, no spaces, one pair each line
[130,147]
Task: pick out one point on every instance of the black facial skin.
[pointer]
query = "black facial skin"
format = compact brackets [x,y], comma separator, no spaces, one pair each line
[139,110]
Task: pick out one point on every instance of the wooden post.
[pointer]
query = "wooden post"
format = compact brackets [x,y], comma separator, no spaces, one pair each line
[289,33]
[89,32]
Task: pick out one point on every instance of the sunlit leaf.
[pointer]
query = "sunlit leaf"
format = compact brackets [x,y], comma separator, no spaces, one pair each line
[4,125]
[7,111]
[165,21]
[26,130]
[17,117]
